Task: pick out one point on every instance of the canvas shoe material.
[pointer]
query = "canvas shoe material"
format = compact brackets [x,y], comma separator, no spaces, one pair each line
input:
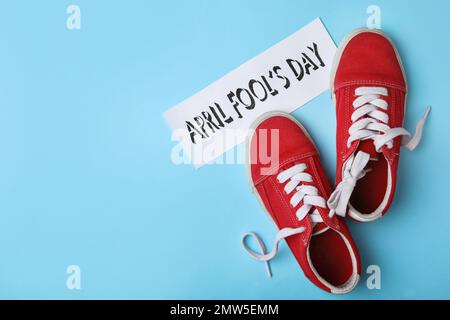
[294,195]
[369,88]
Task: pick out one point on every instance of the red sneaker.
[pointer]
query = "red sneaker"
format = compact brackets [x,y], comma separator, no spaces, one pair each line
[369,89]
[292,187]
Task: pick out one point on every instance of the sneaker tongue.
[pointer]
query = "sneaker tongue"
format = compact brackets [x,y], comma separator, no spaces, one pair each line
[367,146]
[318,228]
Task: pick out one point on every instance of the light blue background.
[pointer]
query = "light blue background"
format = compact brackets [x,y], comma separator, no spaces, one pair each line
[85,171]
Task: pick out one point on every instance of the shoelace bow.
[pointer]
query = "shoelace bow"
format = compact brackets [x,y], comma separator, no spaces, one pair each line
[309,194]
[369,122]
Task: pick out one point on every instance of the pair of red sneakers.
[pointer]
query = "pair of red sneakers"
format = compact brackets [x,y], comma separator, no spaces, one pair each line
[369,89]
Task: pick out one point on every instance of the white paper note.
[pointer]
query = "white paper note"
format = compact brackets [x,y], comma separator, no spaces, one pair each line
[283,78]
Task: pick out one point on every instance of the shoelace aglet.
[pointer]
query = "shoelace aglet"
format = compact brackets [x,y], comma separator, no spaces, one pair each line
[427,112]
[269,270]
[331,214]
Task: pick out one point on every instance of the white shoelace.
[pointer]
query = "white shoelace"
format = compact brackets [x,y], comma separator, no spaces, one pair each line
[306,193]
[369,122]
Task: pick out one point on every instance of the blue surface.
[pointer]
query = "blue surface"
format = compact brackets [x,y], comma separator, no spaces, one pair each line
[85,171]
